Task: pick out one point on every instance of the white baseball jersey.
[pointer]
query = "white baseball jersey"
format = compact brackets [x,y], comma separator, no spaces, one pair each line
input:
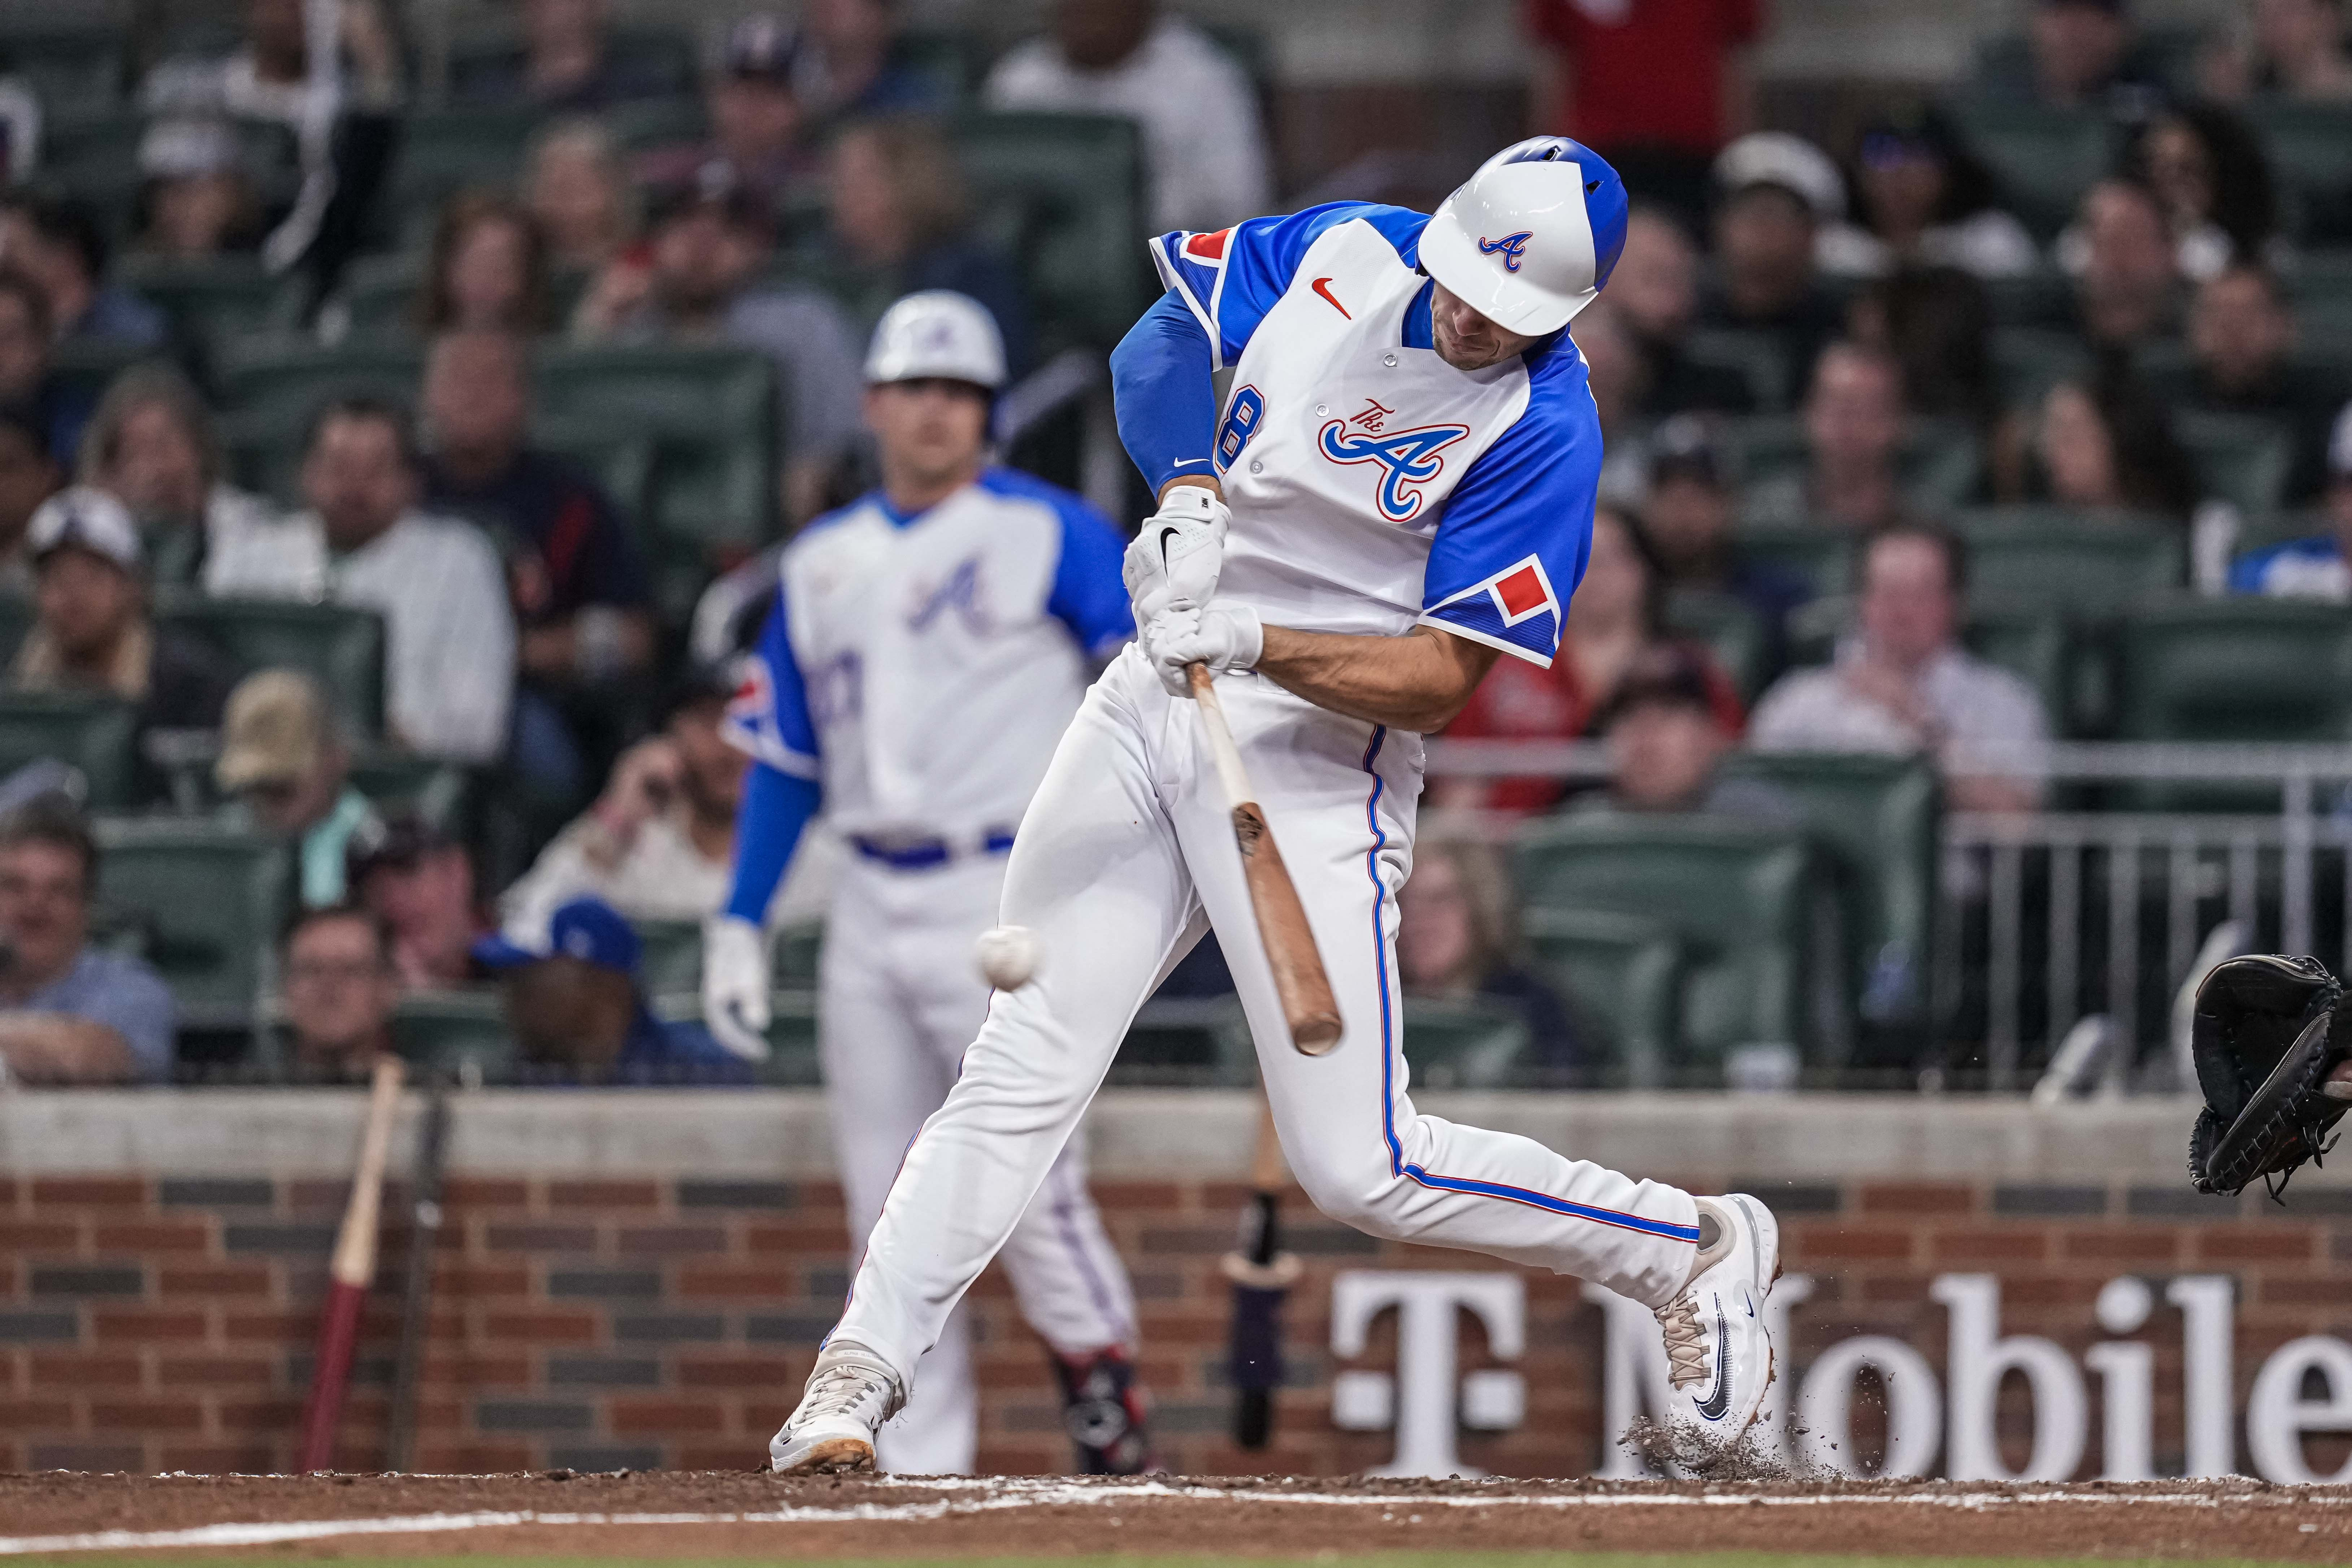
[1372,485]
[921,669]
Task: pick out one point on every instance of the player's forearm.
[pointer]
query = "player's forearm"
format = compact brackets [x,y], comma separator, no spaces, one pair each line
[1164,395]
[1418,682]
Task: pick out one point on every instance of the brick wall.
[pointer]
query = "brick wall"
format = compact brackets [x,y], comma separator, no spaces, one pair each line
[164,1323]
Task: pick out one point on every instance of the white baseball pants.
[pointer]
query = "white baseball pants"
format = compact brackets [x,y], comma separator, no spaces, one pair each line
[900,997]
[1128,843]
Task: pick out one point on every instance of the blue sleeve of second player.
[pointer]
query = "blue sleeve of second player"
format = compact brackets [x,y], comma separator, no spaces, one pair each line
[775,811]
[769,714]
[1161,390]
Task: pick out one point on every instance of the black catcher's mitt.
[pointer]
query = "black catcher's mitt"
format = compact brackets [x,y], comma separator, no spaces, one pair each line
[2266,1035]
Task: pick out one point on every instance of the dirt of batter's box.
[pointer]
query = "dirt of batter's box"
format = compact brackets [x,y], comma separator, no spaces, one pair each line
[1304,1517]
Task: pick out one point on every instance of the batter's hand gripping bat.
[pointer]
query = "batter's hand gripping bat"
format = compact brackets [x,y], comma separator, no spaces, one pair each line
[1261,1274]
[348,1275]
[416,1296]
[1299,981]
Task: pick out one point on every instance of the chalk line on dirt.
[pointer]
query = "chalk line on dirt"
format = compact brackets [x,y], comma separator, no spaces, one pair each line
[1010,1493]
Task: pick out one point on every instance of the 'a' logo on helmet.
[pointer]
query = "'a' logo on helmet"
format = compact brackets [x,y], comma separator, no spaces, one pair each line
[1513,247]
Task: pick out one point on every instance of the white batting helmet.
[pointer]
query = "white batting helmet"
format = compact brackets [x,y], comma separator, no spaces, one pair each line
[937,333]
[1528,240]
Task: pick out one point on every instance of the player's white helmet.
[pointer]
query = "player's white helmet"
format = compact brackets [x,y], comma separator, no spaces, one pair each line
[1531,236]
[937,333]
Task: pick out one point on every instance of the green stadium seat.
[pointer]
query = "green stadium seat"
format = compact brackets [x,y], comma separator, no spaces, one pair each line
[1464,1043]
[2245,670]
[792,960]
[623,465]
[70,64]
[671,964]
[435,790]
[16,614]
[1877,818]
[1732,631]
[341,647]
[462,1033]
[442,152]
[211,298]
[1064,194]
[2028,361]
[377,296]
[2068,561]
[281,381]
[2305,144]
[1743,900]
[209,901]
[1938,464]
[89,368]
[98,736]
[2040,299]
[1622,977]
[2242,458]
[663,57]
[1755,356]
[1192,1042]
[792,1060]
[657,122]
[2044,159]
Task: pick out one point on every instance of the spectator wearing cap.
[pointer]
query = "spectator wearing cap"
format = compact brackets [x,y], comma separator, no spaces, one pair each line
[693,284]
[1902,683]
[854,64]
[1204,152]
[1655,291]
[69,1012]
[1617,615]
[2241,338]
[574,575]
[60,243]
[29,385]
[2293,50]
[1458,938]
[1654,87]
[285,760]
[151,446]
[195,198]
[2128,276]
[1666,745]
[1854,431]
[92,635]
[337,993]
[28,476]
[2319,565]
[1689,516]
[577,1007]
[900,220]
[2078,54]
[450,653]
[658,842]
[1776,191]
[1926,201]
[419,882]
[760,129]
[567,63]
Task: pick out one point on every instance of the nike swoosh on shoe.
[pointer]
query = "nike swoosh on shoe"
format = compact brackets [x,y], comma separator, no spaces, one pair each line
[1717,1404]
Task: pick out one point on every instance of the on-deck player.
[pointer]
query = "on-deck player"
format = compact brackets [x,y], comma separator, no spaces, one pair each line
[1409,454]
[929,646]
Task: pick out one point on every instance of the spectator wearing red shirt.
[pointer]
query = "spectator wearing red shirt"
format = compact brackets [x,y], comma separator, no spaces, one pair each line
[1654,86]
[1616,616]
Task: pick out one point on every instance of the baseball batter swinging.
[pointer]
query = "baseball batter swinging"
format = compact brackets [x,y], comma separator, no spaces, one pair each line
[1397,490]
[928,644]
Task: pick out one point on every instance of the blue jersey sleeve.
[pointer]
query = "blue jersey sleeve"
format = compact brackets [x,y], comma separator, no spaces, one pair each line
[1228,281]
[1162,394]
[1511,544]
[1088,593]
[775,811]
[769,714]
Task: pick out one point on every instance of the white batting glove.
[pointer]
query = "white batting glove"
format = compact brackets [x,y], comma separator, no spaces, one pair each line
[1174,560]
[1227,635]
[735,986]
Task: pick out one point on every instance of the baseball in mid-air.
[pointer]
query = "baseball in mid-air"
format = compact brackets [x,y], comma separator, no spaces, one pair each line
[1008,956]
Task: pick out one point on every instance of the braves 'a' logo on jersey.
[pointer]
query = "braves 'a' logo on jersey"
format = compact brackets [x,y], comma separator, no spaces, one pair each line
[1512,247]
[960,593]
[1406,459]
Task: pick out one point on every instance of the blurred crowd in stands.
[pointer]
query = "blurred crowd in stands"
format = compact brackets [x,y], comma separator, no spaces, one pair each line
[283,322]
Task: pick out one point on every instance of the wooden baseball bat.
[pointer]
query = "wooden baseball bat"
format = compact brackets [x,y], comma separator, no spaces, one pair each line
[348,1275]
[417,1294]
[1262,1275]
[1299,979]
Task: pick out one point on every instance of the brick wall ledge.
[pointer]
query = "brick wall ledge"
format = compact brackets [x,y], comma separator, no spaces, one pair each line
[1169,1134]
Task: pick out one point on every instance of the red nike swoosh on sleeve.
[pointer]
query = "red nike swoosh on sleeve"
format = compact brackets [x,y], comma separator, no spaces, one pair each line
[1334,304]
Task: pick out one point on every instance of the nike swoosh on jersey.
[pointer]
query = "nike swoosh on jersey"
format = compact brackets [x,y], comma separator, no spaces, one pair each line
[1328,296]
[1717,1402]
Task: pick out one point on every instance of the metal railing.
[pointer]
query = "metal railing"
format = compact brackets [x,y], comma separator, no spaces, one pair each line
[2101,903]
